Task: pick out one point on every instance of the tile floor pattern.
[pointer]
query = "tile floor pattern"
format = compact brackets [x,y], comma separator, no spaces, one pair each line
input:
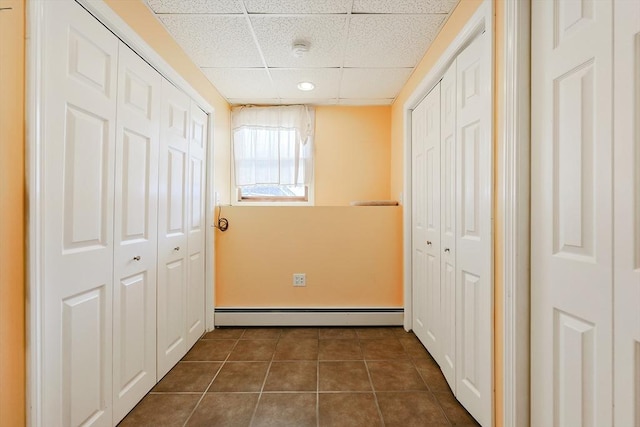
[303,377]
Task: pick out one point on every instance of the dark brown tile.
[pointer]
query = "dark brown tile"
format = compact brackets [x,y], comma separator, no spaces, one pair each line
[253,350]
[282,410]
[224,410]
[343,376]
[454,411]
[292,376]
[161,410]
[414,348]
[210,350]
[299,333]
[240,376]
[383,349]
[262,334]
[339,349]
[398,375]
[417,409]
[188,377]
[337,333]
[399,332]
[374,333]
[297,349]
[348,410]
[223,333]
[434,378]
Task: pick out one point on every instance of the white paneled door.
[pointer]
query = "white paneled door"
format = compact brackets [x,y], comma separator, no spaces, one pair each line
[571,216]
[626,194]
[79,147]
[474,222]
[173,253]
[452,227]
[448,181]
[426,220]
[196,225]
[135,231]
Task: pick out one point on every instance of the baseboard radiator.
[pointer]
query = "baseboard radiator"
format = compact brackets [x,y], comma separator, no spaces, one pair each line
[308,316]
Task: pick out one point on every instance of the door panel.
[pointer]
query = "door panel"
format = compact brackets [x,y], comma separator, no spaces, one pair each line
[196,224]
[80,69]
[474,241]
[136,205]
[571,219]
[448,224]
[172,228]
[626,260]
[426,227]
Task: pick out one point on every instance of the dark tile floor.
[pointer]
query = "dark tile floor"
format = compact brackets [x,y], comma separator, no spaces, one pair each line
[303,377]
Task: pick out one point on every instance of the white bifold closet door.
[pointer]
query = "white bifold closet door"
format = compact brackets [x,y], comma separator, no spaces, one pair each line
[452,188]
[135,231]
[79,137]
[448,201]
[181,222]
[426,221]
[474,230]
[626,195]
[571,214]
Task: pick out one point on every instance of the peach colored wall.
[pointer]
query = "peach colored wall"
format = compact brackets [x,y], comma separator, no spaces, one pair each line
[352,154]
[139,17]
[351,256]
[12,214]
[461,15]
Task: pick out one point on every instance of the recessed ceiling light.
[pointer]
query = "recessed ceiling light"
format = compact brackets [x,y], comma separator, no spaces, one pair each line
[306,86]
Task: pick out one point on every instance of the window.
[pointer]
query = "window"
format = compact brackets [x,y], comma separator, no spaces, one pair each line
[272,152]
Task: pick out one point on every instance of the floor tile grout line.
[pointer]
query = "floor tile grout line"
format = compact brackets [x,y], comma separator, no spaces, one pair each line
[318,384]
[264,382]
[212,380]
[373,389]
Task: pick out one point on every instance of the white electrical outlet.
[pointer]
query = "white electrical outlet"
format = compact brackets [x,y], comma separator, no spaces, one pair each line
[299,279]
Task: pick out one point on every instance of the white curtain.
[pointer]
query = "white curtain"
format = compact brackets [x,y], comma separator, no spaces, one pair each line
[273,145]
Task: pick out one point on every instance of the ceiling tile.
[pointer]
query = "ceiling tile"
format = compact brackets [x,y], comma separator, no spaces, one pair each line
[384,101]
[214,41]
[241,82]
[390,40]
[403,6]
[196,6]
[325,35]
[327,81]
[373,82]
[297,6]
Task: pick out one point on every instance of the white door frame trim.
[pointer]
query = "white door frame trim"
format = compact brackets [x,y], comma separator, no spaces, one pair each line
[34,151]
[513,198]
[481,20]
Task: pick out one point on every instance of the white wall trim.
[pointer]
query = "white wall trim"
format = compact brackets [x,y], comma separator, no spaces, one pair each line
[513,201]
[33,147]
[34,151]
[478,23]
[308,317]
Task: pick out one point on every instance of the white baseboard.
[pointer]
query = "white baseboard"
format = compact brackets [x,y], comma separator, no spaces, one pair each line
[308,316]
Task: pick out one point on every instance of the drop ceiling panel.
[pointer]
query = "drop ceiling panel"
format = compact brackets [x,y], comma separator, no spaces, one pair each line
[390,40]
[325,34]
[327,81]
[196,6]
[253,101]
[241,82]
[314,101]
[298,6]
[373,82]
[403,6]
[215,41]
